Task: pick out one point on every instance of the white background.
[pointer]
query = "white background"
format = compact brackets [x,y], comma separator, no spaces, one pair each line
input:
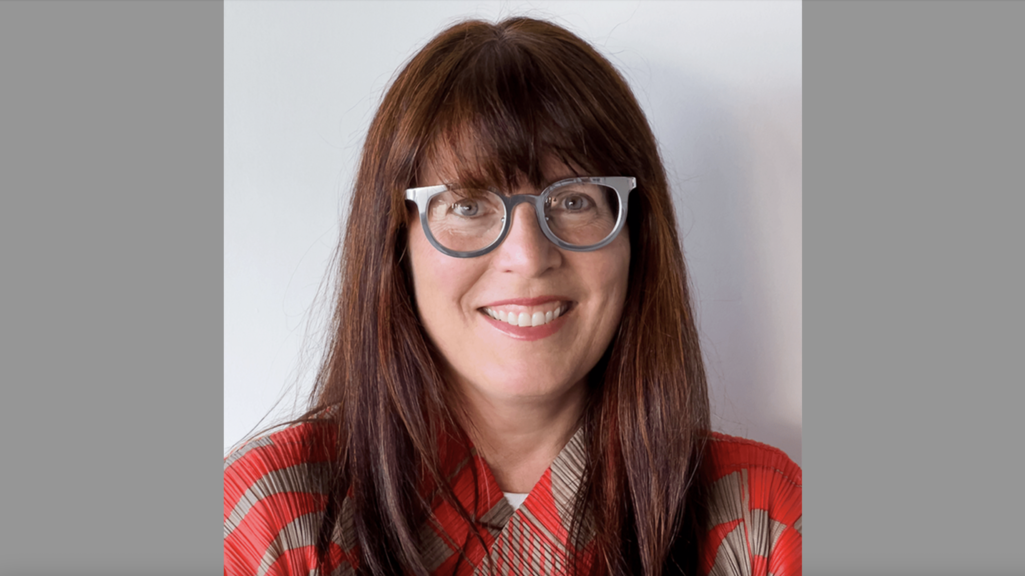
[720,83]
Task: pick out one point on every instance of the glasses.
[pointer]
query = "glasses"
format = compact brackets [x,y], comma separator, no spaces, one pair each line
[578,214]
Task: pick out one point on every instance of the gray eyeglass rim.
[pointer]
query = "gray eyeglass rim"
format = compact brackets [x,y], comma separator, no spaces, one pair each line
[623,185]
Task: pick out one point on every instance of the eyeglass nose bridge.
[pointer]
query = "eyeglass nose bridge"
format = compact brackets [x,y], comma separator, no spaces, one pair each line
[536,201]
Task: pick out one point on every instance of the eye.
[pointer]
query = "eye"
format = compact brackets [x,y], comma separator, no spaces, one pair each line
[466,207]
[575,203]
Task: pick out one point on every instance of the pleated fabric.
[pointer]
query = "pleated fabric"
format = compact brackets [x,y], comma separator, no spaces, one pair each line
[275,496]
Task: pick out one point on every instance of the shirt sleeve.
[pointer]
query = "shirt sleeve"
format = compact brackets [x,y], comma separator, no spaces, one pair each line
[754,511]
[272,512]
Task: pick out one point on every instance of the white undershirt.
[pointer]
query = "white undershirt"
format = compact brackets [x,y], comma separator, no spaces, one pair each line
[515,499]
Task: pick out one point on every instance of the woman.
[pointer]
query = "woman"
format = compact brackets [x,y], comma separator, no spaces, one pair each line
[514,383]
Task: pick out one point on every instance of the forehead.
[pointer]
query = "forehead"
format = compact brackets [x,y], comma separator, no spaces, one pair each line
[445,167]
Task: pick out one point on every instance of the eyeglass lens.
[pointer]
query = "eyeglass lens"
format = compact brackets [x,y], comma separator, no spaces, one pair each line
[580,214]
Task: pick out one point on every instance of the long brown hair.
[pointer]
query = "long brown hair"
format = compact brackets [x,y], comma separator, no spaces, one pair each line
[500,99]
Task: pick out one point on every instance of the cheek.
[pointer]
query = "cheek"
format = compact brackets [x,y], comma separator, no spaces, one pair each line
[425,270]
[614,271]
[440,283]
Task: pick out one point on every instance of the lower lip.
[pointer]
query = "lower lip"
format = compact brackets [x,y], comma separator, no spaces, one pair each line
[527,333]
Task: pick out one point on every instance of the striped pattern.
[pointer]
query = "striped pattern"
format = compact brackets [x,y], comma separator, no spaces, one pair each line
[755,511]
[274,500]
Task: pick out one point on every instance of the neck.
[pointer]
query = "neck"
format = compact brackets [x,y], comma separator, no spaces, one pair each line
[520,437]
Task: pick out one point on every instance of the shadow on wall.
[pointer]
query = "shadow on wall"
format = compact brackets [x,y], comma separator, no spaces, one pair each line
[734,163]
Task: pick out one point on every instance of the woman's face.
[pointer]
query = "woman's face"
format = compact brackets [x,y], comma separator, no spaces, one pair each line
[525,277]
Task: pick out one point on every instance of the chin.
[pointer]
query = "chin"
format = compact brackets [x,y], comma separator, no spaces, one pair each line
[525,386]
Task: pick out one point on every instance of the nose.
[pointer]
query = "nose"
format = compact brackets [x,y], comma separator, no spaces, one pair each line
[526,250]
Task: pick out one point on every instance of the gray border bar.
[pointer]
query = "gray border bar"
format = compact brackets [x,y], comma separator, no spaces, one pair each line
[111,235]
[913,287]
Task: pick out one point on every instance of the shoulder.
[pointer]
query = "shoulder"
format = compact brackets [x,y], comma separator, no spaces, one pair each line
[728,454]
[754,508]
[275,492]
[291,445]
[285,460]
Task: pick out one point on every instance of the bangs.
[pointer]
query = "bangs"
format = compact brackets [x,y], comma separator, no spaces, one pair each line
[509,117]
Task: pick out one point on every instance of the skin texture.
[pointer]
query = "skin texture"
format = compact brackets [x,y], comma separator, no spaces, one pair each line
[522,397]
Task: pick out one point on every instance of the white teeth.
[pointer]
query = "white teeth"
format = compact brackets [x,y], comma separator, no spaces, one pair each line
[525,318]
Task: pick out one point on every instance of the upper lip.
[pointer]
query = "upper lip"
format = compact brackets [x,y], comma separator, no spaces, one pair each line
[536,301]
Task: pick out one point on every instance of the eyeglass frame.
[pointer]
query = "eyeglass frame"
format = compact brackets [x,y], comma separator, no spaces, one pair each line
[623,185]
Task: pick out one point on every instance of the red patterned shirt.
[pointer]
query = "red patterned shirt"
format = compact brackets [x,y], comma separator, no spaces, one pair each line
[273,506]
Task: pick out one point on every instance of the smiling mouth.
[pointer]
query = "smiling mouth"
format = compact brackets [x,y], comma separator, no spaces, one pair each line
[527,316]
